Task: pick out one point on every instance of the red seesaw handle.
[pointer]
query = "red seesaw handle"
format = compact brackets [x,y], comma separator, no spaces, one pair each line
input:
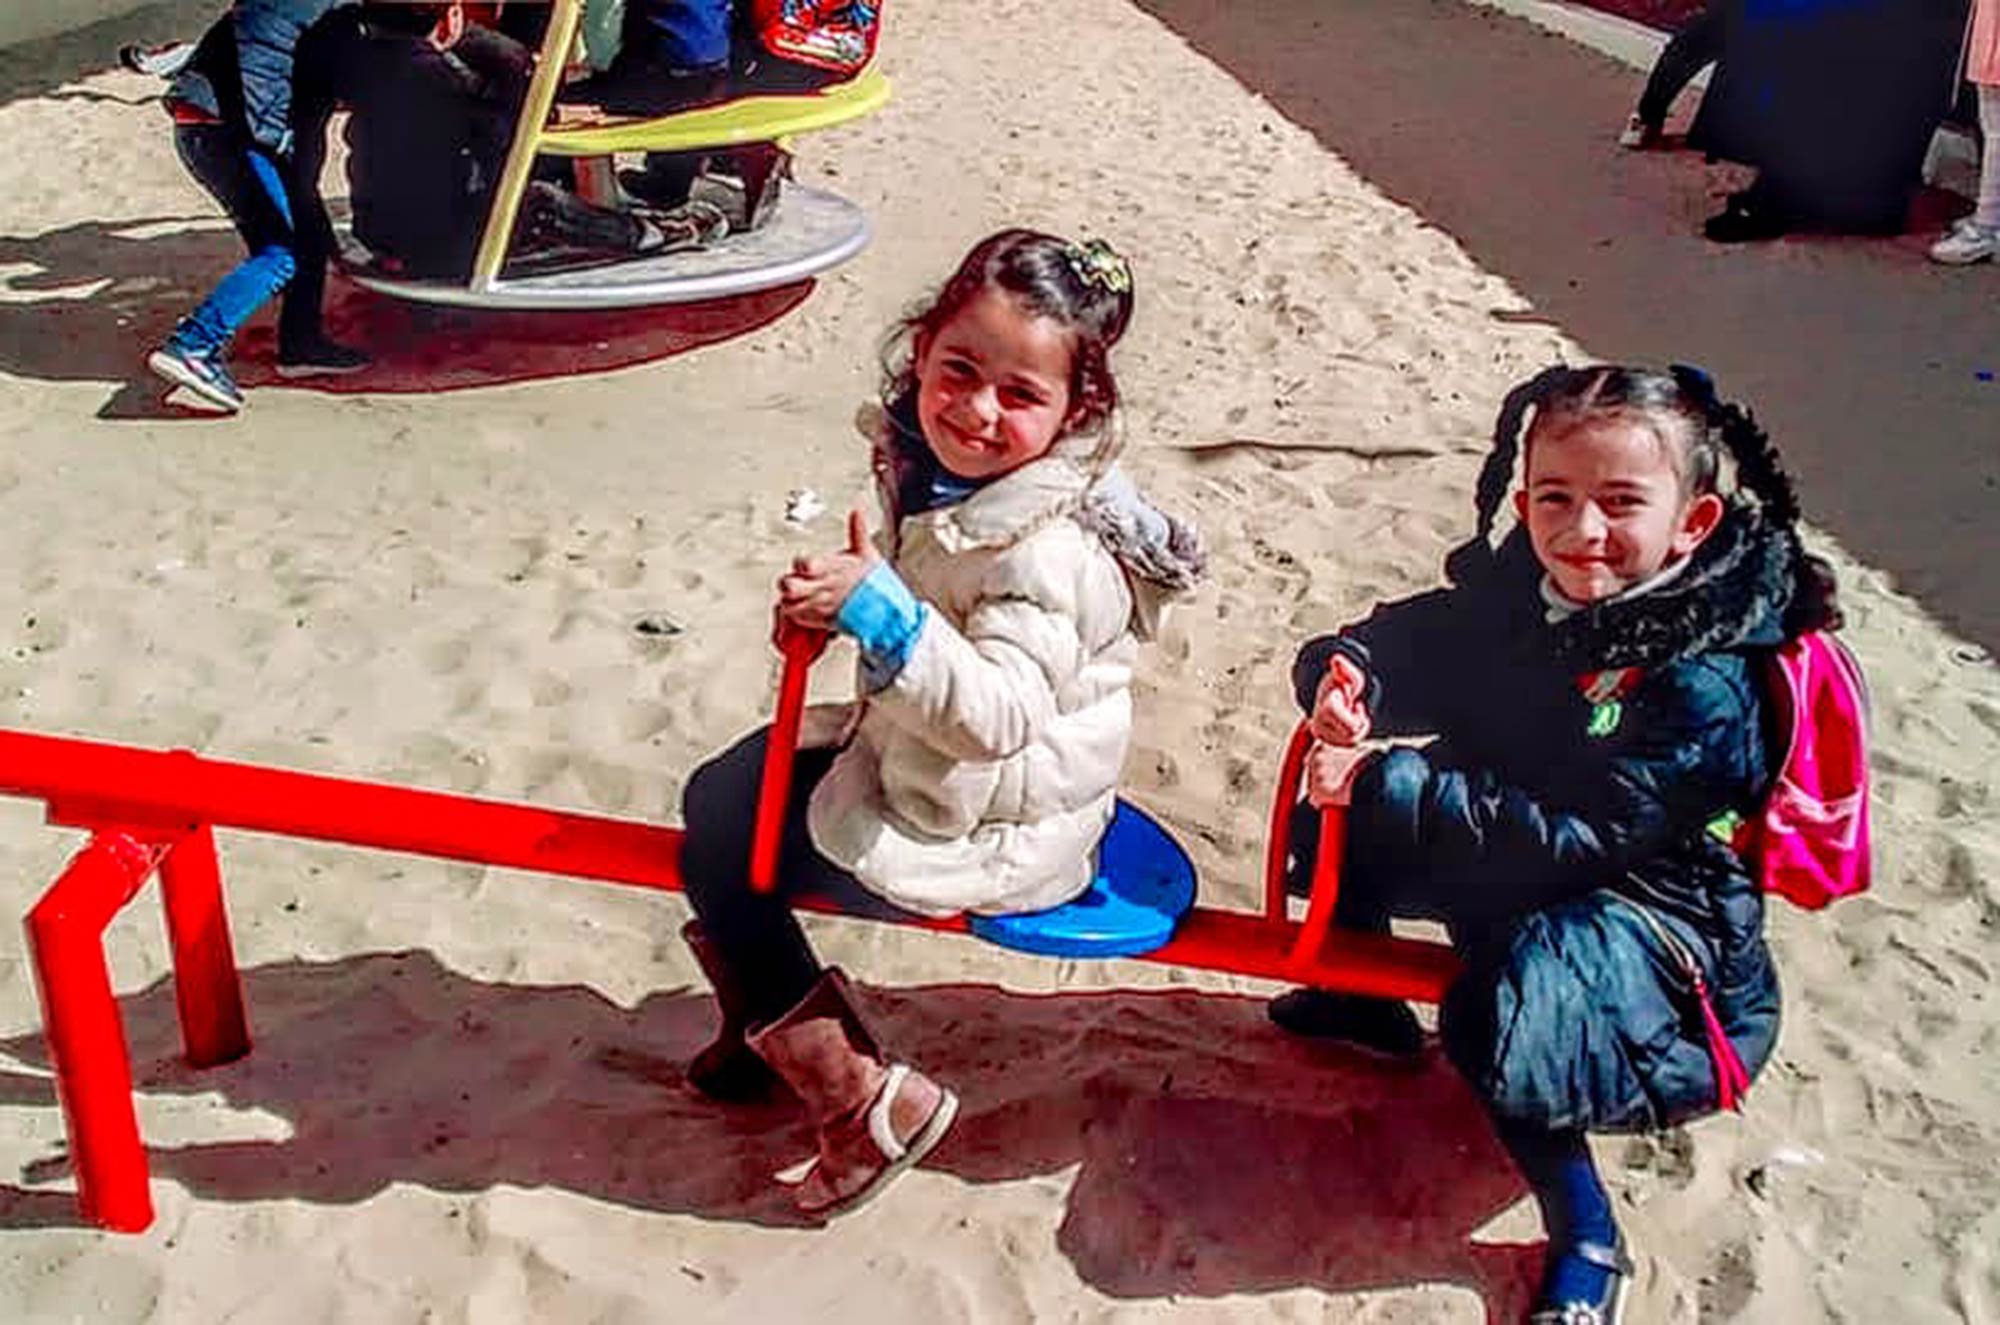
[1326,862]
[801,648]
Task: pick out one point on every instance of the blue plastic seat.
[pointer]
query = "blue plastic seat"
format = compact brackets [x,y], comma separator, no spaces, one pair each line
[1144,885]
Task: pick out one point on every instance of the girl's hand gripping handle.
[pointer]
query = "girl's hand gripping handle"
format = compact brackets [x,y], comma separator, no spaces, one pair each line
[801,648]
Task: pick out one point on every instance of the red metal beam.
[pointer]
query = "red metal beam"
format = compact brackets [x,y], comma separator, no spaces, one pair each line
[91,783]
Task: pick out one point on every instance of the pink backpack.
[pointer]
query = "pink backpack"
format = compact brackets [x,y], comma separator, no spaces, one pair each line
[1810,844]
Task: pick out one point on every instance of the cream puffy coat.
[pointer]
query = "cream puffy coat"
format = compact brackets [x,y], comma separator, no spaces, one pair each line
[982,776]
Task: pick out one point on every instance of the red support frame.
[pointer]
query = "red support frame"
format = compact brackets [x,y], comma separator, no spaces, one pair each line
[152,811]
[85,1035]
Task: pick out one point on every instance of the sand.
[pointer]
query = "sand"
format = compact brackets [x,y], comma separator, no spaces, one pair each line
[1354,225]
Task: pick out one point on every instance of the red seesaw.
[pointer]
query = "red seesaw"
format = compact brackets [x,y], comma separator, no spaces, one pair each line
[149,810]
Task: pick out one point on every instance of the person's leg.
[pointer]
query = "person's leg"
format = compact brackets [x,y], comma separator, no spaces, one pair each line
[1586,1262]
[1987,212]
[1976,238]
[674,56]
[247,186]
[754,935]
[874,1118]
[1697,44]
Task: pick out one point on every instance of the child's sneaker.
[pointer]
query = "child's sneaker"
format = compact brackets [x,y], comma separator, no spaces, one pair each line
[1966,243]
[203,374]
[162,61]
[322,358]
[1637,134]
[1382,1025]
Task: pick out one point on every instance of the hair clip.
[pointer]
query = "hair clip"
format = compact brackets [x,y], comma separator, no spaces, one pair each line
[1096,263]
[1696,383]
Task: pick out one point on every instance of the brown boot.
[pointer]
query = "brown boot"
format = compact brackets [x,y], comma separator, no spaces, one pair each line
[875,1119]
[728,1069]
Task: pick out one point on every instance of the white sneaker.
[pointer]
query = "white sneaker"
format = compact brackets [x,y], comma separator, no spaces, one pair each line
[1637,134]
[1967,242]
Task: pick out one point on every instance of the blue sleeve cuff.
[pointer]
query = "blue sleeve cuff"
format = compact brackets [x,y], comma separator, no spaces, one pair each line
[885,619]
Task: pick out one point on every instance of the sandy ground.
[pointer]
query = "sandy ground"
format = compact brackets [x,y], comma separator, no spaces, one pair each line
[1354,225]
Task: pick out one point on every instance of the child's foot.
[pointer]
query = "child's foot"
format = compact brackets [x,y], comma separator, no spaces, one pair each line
[204,374]
[1379,1024]
[1637,134]
[1746,218]
[1583,1285]
[1967,242]
[322,358]
[159,61]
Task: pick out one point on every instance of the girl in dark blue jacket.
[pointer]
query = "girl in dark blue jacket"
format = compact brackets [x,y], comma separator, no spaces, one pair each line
[1593,688]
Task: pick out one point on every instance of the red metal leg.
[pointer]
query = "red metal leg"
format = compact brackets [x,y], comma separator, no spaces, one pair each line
[1326,862]
[1325,885]
[801,648]
[207,988]
[1278,840]
[86,1038]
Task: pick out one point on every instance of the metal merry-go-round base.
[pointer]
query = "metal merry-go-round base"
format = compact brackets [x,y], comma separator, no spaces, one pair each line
[810,231]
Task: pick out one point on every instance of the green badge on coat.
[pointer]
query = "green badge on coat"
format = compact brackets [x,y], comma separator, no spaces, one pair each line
[1605,717]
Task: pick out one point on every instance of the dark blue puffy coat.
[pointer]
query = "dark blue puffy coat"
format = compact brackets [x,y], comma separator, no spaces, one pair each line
[1570,850]
[242,71]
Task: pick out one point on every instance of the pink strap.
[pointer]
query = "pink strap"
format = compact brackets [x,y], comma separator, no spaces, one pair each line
[1731,1080]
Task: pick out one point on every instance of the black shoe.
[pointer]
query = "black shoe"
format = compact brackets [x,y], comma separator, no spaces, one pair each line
[1382,1025]
[666,179]
[1745,219]
[322,358]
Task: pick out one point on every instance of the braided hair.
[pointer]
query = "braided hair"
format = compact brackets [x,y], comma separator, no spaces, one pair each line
[1700,429]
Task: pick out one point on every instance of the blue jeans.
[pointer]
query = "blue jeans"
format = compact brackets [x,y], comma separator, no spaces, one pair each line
[680,34]
[248,185]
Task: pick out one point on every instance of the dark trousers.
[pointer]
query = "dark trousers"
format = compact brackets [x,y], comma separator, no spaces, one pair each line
[252,189]
[755,934]
[1696,45]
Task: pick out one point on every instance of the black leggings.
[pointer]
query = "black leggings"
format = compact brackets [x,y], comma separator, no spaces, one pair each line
[755,934]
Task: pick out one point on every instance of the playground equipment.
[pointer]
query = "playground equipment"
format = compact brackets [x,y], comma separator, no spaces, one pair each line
[152,812]
[810,231]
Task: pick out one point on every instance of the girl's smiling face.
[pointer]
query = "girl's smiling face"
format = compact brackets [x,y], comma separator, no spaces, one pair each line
[1604,506]
[993,386]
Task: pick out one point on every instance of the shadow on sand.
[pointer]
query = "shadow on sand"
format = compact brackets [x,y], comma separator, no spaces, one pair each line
[96,296]
[1863,358]
[1193,1124]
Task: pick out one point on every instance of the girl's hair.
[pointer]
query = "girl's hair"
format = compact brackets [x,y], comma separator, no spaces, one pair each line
[1699,430]
[1084,288]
